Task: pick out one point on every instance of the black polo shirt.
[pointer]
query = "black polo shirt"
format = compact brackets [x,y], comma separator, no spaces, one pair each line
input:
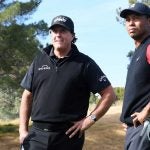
[61,87]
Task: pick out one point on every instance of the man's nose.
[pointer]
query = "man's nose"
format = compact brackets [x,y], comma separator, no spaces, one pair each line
[131,22]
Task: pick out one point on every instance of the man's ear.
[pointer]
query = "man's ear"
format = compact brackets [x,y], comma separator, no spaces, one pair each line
[73,35]
[149,21]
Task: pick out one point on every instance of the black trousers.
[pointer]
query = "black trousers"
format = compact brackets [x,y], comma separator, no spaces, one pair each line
[138,138]
[39,139]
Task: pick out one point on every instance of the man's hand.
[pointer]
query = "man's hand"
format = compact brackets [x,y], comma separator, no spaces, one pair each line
[22,136]
[124,126]
[80,127]
[139,117]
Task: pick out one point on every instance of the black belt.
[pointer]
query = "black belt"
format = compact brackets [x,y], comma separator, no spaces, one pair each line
[46,126]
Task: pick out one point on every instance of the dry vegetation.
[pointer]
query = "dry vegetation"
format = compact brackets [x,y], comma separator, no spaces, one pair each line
[106,134]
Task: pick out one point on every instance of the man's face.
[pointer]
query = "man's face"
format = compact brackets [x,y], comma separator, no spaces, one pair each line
[138,26]
[61,38]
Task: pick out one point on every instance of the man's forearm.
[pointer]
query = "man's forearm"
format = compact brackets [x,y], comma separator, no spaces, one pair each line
[25,110]
[108,97]
[147,109]
[24,118]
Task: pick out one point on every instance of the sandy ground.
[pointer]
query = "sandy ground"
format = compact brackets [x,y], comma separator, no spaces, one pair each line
[105,134]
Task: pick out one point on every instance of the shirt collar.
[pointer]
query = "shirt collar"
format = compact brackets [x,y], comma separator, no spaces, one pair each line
[53,55]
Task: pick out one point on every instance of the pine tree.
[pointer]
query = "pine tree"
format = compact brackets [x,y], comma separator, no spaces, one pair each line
[19,44]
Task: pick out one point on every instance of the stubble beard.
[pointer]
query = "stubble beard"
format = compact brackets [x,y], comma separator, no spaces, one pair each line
[136,37]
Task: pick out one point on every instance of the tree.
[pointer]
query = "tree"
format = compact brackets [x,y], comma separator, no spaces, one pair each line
[93,98]
[130,54]
[131,2]
[19,44]
[119,92]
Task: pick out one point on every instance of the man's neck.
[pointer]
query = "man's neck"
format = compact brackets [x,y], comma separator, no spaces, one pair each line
[140,40]
[61,53]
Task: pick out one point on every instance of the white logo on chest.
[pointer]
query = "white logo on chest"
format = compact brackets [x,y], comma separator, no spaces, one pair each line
[44,67]
[138,59]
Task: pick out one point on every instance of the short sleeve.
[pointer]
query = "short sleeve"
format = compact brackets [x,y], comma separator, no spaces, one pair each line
[26,83]
[148,54]
[95,78]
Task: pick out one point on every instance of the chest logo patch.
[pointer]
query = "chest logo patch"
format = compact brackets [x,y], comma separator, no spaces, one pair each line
[137,59]
[44,67]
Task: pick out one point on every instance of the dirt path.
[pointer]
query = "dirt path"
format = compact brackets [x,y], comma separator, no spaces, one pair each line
[106,134]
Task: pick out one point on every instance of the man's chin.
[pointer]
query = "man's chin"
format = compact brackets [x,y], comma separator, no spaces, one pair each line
[134,36]
[59,48]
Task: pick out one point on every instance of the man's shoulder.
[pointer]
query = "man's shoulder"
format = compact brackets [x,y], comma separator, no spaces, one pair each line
[43,52]
[84,57]
[147,40]
[79,54]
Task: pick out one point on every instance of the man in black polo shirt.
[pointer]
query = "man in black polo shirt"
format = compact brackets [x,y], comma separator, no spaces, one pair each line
[136,107]
[57,90]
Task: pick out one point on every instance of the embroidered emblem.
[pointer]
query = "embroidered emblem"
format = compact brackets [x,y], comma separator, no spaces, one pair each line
[44,67]
[138,59]
[102,78]
[61,19]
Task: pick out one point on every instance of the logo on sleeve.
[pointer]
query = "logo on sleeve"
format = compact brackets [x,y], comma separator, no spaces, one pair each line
[103,78]
[44,67]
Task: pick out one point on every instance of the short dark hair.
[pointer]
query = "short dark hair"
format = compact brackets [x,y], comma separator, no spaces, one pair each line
[74,39]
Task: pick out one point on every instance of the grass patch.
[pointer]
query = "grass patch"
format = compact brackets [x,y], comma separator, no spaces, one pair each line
[8,128]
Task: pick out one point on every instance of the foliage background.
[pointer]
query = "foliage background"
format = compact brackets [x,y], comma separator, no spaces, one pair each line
[19,43]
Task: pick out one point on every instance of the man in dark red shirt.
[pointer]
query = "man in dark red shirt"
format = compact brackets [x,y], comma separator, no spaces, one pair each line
[136,107]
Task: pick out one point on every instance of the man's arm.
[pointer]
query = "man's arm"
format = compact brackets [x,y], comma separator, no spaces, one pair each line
[140,117]
[107,98]
[25,110]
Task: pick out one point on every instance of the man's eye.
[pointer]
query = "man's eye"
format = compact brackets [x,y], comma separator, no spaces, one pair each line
[63,30]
